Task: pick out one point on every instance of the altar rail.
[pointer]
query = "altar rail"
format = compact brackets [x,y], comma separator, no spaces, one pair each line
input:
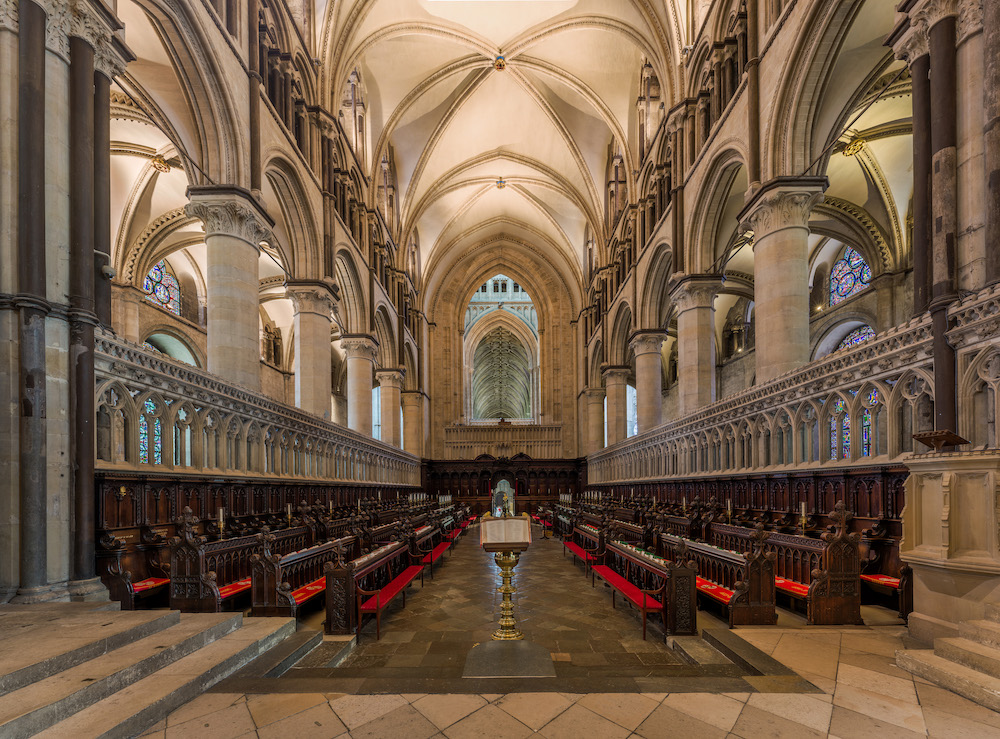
[859,405]
[156,414]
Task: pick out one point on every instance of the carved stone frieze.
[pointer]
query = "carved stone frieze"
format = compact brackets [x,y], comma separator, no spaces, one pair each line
[311,299]
[229,218]
[780,209]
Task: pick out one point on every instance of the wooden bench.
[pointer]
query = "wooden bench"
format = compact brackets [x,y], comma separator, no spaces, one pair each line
[742,584]
[281,585]
[205,576]
[651,584]
[577,545]
[823,573]
[430,555]
[368,584]
[145,580]
[884,578]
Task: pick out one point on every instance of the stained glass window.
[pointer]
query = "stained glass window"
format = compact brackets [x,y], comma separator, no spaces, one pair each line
[145,445]
[850,275]
[866,432]
[840,431]
[858,335]
[632,411]
[162,289]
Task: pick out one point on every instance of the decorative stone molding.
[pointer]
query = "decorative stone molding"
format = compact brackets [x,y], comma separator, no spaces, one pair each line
[311,299]
[595,394]
[230,217]
[970,18]
[617,374]
[8,15]
[647,342]
[780,206]
[390,377]
[914,44]
[695,292]
[933,12]
[360,347]
[57,27]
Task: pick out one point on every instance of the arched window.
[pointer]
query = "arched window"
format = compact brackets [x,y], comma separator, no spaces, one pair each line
[858,335]
[162,289]
[840,431]
[150,442]
[850,275]
[632,411]
[377,412]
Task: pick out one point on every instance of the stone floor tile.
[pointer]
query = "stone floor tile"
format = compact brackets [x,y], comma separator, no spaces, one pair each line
[267,708]
[873,643]
[811,711]
[891,710]
[227,723]
[156,734]
[356,710]
[936,697]
[318,722]
[853,725]
[490,697]
[489,722]
[943,725]
[825,684]
[667,723]
[717,710]
[444,710]
[623,709]
[754,723]
[577,721]
[202,705]
[811,655]
[658,697]
[894,687]
[405,721]
[534,710]
[765,641]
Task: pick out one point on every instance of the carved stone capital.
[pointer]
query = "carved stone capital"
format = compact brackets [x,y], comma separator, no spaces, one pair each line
[647,342]
[695,292]
[390,377]
[780,207]
[933,12]
[970,18]
[229,214]
[615,375]
[57,27]
[8,14]
[913,44]
[360,347]
[595,394]
[109,61]
[311,299]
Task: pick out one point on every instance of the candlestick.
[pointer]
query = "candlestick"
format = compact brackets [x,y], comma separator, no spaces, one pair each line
[222,518]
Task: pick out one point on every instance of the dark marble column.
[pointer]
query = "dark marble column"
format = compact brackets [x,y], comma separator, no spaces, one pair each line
[920,72]
[31,301]
[991,135]
[102,197]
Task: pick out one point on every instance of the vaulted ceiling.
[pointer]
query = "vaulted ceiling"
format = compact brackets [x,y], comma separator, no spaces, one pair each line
[456,125]
[501,377]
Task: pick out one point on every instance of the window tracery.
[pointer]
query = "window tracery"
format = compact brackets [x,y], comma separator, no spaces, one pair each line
[850,275]
[162,289]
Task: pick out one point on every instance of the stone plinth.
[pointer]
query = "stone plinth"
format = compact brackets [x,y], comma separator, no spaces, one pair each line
[951,539]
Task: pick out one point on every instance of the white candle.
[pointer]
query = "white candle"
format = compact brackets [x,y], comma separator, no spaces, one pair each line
[289,509]
[802,508]
[222,517]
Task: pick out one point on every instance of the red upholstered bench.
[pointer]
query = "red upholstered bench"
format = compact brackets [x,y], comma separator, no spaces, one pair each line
[309,591]
[716,592]
[375,601]
[453,534]
[579,553]
[150,583]
[792,588]
[234,588]
[884,580]
[641,599]
[431,557]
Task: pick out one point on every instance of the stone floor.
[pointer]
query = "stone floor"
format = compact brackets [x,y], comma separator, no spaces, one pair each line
[843,681]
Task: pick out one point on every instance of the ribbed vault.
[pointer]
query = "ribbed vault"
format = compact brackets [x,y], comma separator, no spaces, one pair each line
[501,377]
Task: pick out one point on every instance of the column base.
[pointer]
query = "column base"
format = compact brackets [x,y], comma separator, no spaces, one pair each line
[88,591]
[43,594]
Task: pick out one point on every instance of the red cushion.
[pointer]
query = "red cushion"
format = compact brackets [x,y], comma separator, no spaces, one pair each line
[790,586]
[452,535]
[578,551]
[547,523]
[464,524]
[623,586]
[721,594]
[436,553]
[149,583]
[234,588]
[391,590]
[885,580]
[308,591]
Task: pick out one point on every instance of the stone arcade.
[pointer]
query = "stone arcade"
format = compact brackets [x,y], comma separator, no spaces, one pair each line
[289,287]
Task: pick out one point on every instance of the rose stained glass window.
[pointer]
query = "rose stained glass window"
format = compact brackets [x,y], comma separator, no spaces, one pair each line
[162,289]
[851,274]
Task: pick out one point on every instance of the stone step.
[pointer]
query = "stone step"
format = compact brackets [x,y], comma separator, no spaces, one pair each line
[993,612]
[35,707]
[972,654]
[39,643]
[694,650]
[283,657]
[135,708]
[972,684]
[982,631]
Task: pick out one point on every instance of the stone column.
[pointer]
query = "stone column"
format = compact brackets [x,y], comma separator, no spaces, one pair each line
[360,352]
[314,305]
[912,48]
[391,382]
[648,379]
[595,419]
[991,135]
[779,217]
[235,224]
[694,299]
[615,382]
[413,422]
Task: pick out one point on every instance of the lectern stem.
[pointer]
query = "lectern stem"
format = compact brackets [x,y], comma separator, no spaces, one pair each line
[507,561]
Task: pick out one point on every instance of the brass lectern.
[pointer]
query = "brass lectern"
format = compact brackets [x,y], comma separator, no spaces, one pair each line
[506,537]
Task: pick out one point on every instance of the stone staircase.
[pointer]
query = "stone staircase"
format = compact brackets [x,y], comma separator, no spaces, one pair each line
[80,670]
[967,664]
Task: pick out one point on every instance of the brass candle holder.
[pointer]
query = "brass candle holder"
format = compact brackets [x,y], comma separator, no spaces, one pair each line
[508,630]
